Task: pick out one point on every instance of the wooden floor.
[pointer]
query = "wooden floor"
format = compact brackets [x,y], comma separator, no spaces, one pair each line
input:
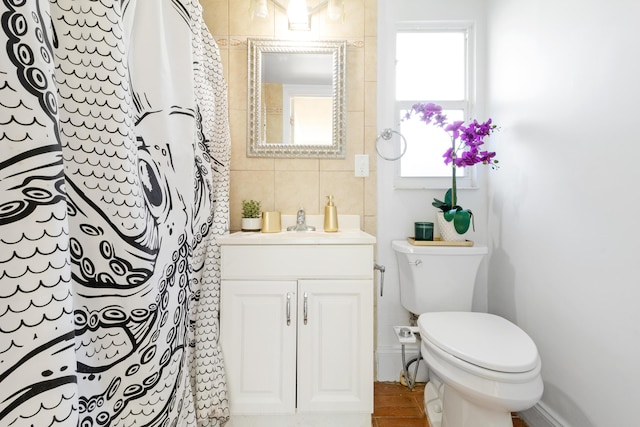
[396,406]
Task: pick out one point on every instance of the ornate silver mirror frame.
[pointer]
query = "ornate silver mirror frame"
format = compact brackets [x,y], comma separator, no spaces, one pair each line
[259,54]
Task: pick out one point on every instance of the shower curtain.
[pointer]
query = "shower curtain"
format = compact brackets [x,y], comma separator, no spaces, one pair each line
[114,183]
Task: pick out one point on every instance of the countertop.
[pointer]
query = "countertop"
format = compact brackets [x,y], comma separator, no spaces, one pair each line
[348,234]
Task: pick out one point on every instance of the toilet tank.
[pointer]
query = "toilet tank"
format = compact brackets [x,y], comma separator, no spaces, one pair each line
[437,278]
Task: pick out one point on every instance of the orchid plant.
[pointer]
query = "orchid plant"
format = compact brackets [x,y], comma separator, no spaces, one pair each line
[465,150]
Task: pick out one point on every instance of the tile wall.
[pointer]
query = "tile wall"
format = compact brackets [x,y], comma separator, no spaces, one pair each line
[287,184]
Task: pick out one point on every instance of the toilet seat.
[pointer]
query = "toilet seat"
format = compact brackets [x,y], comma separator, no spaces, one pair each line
[482,339]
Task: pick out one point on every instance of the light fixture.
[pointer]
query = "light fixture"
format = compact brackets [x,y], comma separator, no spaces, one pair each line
[298,13]
[259,8]
[335,9]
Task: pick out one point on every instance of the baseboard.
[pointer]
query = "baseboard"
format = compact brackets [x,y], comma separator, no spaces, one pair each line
[304,419]
[389,362]
[541,416]
[389,368]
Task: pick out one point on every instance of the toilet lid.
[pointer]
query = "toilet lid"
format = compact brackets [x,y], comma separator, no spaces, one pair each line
[483,339]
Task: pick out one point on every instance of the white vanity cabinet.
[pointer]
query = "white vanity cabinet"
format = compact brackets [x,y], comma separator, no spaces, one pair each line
[297,328]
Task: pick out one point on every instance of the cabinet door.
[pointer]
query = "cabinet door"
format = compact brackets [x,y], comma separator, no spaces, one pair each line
[335,345]
[258,339]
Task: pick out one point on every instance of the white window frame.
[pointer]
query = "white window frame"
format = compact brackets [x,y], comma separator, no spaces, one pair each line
[467,105]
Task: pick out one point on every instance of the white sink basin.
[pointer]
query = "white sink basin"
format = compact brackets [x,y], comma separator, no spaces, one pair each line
[347,234]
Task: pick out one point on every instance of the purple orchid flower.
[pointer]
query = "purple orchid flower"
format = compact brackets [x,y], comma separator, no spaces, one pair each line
[454,128]
[464,151]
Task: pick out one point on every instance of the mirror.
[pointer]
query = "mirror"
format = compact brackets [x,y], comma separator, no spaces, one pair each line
[296,99]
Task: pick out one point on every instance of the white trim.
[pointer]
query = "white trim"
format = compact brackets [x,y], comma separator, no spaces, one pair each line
[441,183]
[542,416]
[389,362]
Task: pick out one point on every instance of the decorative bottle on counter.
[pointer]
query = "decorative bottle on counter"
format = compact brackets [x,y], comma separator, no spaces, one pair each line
[330,216]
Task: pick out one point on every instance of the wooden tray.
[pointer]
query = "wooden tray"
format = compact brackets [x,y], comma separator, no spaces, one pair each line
[438,242]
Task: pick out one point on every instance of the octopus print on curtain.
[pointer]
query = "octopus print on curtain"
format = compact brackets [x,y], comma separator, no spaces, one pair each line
[114,183]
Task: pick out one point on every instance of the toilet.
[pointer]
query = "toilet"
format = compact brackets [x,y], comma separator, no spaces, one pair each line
[481,366]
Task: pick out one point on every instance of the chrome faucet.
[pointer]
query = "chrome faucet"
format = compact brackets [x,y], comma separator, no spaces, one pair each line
[301,223]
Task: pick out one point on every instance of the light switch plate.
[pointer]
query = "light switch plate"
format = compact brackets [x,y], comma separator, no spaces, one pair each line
[362,165]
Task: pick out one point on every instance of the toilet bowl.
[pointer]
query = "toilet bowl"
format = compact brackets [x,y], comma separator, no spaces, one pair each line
[482,368]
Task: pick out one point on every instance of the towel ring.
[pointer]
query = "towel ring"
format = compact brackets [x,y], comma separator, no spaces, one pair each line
[386,134]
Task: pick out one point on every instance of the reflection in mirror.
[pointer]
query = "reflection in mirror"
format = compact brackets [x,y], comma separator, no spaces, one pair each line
[296,102]
[307,114]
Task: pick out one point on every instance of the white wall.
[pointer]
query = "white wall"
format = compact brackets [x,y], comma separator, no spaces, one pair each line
[565,261]
[561,211]
[399,209]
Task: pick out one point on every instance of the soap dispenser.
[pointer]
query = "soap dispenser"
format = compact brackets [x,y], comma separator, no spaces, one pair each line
[330,216]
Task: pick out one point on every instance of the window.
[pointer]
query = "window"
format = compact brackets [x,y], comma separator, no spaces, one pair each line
[307,114]
[432,65]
